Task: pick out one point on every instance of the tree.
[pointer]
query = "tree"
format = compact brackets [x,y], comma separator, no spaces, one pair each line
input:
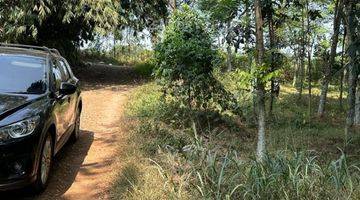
[330,63]
[143,14]
[260,85]
[275,14]
[222,14]
[353,28]
[357,103]
[185,58]
[342,74]
[71,22]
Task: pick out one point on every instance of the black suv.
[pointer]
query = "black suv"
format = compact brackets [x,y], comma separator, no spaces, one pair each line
[40,107]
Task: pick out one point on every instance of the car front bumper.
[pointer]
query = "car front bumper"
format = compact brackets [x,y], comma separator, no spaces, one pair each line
[18,162]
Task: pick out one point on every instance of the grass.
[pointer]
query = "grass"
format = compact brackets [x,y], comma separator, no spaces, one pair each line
[212,157]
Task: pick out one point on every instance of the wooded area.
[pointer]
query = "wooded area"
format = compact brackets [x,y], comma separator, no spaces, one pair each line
[248,68]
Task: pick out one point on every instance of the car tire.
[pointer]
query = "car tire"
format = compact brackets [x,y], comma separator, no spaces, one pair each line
[76,133]
[45,164]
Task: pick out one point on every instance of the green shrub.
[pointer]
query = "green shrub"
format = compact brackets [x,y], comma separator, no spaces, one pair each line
[185,59]
[145,69]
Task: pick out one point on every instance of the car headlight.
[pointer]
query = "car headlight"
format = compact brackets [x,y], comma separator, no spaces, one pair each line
[19,129]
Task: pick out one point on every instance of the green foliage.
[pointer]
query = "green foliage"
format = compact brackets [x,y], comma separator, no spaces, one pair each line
[133,55]
[143,14]
[145,69]
[185,59]
[26,19]
[59,24]
[220,10]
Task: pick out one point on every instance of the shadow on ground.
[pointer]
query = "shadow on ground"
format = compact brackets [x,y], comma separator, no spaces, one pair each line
[100,76]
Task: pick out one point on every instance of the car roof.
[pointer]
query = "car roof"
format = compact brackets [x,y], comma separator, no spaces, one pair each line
[23,51]
[30,50]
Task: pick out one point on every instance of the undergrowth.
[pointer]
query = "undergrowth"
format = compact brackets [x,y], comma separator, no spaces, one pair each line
[177,153]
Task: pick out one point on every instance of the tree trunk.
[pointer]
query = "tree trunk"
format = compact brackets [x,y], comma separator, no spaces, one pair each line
[272,67]
[228,59]
[260,85]
[261,122]
[343,71]
[309,80]
[357,104]
[352,70]
[310,43]
[302,58]
[327,77]
[228,48]
[351,96]
[114,47]
[173,4]
[296,64]
[341,89]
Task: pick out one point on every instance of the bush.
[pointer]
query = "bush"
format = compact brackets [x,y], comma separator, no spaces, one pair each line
[185,58]
[145,69]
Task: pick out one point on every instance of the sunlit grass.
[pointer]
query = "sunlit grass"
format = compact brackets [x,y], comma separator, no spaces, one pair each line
[173,160]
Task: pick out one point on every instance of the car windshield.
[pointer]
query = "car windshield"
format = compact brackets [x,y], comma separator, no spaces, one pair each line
[22,74]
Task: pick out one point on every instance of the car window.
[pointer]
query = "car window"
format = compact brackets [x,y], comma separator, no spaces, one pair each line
[57,75]
[22,74]
[64,70]
[68,67]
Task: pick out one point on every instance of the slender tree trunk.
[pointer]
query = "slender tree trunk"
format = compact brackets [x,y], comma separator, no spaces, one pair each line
[342,71]
[272,67]
[341,104]
[357,104]
[351,96]
[309,80]
[173,4]
[228,48]
[296,64]
[247,47]
[302,58]
[310,43]
[327,77]
[114,47]
[352,70]
[260,85]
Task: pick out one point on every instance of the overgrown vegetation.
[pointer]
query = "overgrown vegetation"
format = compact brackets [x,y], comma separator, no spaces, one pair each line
[214,159]
[224,70]
[195,151]
[185,60]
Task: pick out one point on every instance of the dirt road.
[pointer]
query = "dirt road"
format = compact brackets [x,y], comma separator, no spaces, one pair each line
[86,169]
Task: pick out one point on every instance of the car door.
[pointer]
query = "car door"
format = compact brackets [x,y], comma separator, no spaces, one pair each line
[62,102]
[71,114]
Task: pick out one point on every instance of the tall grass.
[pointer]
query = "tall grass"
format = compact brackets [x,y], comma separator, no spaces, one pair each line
[281,175]
[182,158]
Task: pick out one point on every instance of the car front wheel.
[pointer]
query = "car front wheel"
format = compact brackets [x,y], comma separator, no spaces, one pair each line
[44,165]
[76,133]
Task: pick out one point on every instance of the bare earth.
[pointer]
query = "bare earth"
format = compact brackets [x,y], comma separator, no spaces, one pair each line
[87,169]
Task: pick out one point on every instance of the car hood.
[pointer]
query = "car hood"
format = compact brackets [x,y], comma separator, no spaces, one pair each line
[10,103]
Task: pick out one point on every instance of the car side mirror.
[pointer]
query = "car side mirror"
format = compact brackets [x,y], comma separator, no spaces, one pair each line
[67,88]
